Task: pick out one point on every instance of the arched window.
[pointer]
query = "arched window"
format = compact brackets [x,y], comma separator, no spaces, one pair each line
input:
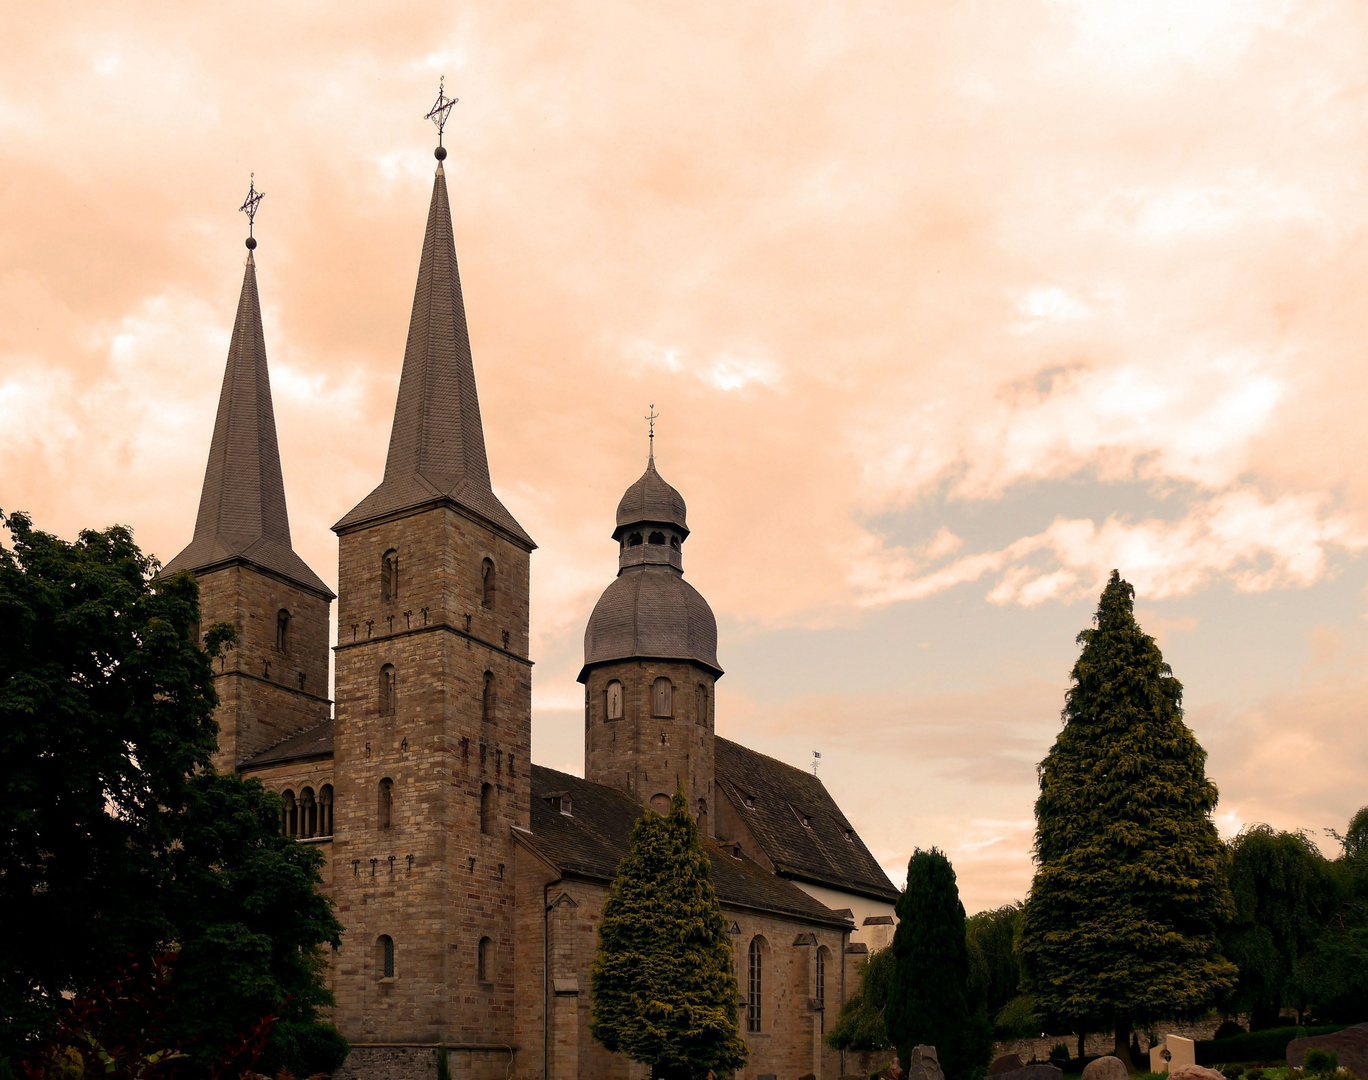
[701,702]
[325,810]
[487,699]
[283,630]
[822,955]
[485,960]
[384,947]
[703,816]
[662,698]
[488,583]
[290,814]
[755,983]
[660,803]
[634,540]
[657,538]
[486,808]
[612,700]
[387,690]
[389,575]
[674,541]
[308,814]
[384,807]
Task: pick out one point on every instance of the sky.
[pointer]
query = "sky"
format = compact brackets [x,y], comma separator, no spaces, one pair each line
[947,310]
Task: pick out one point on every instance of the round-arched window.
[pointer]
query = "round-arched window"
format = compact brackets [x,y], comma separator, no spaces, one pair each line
[662,698]
[660,803]
[384,947]
[612,700]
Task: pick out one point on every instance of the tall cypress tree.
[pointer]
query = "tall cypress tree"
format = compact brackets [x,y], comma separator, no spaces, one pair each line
[1130,888]
[929,1000]
[664,990]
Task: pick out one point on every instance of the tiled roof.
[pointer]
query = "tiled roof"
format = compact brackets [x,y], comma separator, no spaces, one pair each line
[774,800]
[242,512]
[651,499]
[594,837]
[437,447]
[314,742]
[650,611]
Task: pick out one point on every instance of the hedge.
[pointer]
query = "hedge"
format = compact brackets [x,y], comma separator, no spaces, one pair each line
[1267,1045]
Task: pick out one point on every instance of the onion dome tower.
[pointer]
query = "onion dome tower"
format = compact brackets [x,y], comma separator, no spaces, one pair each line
[650,661]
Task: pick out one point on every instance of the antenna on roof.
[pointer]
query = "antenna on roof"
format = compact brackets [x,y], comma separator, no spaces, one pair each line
[652,417]
[816,761]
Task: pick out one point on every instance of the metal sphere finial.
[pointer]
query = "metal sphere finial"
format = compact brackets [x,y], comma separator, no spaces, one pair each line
[251,243]
[440,153]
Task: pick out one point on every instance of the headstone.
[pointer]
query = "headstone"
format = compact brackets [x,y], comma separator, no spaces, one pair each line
[1170,1052]
[1351,1046]
[1005,1064]
[1105,1068]
[924,1064]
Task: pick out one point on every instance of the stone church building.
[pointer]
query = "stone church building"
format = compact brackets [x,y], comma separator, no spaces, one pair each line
[470,881]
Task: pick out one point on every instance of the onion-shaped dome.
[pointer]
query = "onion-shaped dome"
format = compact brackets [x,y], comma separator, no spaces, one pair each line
[651,499]
[651,612]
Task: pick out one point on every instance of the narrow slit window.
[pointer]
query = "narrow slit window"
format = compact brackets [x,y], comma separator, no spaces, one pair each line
[389,575]
[387,690]
[488,698]
[485,960]
[755,985]
[488,583]
[283,630]
[385,945]
[384,811]
[487,808]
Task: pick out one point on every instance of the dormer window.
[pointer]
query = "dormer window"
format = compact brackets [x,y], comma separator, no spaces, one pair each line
[803,819]
[565,805]
[658,538]
[749,801]
[560,800]
[848,833]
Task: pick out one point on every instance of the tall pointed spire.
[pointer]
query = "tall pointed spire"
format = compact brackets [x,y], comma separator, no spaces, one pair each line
[242,515]
[437,447]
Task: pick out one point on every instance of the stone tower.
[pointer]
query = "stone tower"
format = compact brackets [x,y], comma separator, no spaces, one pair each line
[274,682]
[433,716]
[650,661]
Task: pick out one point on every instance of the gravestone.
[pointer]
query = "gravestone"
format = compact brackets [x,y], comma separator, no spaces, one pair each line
[1033,1072]
[1105,1068]
[1171,1052]
[1005,1064]
[1351,1045]
[1194,1072]
[924,1064]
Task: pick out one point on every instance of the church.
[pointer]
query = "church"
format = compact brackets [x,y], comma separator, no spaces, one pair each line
[470,880]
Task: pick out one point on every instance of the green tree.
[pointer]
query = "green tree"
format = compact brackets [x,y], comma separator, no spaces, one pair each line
[1284,892]
[1130,889]
[994,968]
[664,990]
[860,1023]
[1332,977]
[116,836]
[929,998]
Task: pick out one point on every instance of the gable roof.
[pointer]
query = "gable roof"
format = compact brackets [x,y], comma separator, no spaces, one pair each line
[437,447]
[773,798]
[314,742]
[242,514]
[594,837]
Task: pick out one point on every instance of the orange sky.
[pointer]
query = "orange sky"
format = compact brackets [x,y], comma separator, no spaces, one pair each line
[947,308]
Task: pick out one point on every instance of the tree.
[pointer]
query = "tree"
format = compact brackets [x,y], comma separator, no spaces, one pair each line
[117,839]
[860,1023]
[929,998]
[994,968]
[1130,889]
[1332,977]
[1284,891]
[664,989]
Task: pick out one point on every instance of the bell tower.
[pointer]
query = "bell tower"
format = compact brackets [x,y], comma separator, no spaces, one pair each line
[433,715]
[274,682]
[650,661]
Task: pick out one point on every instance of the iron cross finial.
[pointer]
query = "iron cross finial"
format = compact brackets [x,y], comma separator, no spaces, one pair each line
[441,109]
[249,207]
[652,417]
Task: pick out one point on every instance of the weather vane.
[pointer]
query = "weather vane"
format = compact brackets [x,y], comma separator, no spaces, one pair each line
[653,416]
[438,114]
[249,207]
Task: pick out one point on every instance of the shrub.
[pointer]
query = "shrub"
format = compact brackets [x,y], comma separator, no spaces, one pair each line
[1318,1061]
[1267,1045]
[443,1063]
[303,1049]
[1228,1030]
[1232,1072]
[1059,1052]
[1254,1074]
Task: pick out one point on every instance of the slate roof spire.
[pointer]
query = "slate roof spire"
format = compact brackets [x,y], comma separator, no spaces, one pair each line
[437,447]
[242,515]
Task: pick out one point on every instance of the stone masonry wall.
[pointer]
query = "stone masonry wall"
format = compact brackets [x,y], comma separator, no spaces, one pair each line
[432,880]
[265,694]
[647,755]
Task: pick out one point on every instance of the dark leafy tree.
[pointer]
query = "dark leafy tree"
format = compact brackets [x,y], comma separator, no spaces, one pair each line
[1131,889]
[664,989]
[1332,977]
[929,999]
[117,839]
[860,1023]
[1284,892]
[994,968]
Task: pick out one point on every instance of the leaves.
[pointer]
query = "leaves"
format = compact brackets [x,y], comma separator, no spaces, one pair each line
[664,989]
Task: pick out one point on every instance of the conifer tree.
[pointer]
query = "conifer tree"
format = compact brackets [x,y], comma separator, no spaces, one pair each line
[929,999]
[664,989]
[1130,889]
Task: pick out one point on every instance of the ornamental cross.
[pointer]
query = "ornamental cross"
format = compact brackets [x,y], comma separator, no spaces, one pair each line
[652,417]
[441,109]
[250,204]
